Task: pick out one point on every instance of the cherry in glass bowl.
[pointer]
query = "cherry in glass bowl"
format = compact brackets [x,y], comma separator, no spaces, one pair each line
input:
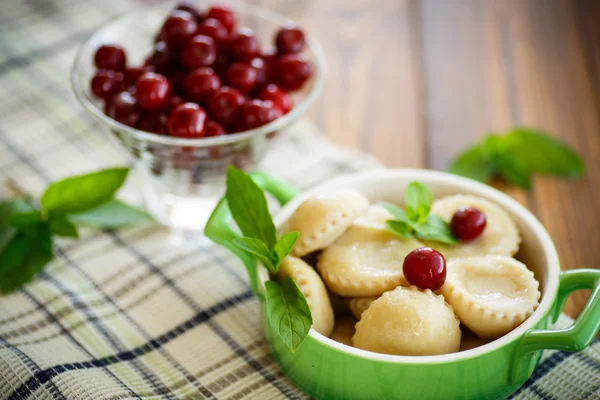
[182,178]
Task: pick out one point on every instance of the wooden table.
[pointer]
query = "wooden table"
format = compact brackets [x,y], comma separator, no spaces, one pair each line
[414,82]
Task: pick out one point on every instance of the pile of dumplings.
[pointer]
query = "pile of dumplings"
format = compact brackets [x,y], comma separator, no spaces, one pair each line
[349,267]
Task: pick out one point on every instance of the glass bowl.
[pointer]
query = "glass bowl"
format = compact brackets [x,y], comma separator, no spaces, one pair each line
[182,179]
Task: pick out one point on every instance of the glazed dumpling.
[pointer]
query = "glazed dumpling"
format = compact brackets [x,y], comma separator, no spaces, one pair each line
[358,305]
[344,330]
[408,321]
[365,262]
[500,236]
[320,220]
[314,291]
[374,218]
[491,295]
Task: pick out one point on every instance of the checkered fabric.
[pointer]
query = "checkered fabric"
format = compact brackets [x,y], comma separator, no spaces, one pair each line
[129,314]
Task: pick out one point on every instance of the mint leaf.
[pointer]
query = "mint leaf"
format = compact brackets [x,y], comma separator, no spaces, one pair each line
[424,226]
[257,248]
[473,163]
[288,311]
[435,229]
[25,220]
[248,207]
[111,215]
[516,156]
[396,211]
[83,193]
[541,153]
[283,247]
[62,227]
[7,233]
[418,199]
[512,170]
[23,257]
[400,228]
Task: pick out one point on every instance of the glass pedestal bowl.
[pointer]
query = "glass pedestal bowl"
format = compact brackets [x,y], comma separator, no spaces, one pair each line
[182,179]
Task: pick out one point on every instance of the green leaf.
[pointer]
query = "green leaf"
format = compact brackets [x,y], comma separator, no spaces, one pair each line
[418,199]
[113,214]
[435,229]
[288,311]
[512,170]
[248,207]
[400,228]
[83,193]
[25,220]
[541,153]
[25,256]
[473,163]
[62,227]
[283,247]
[257,248]
[7,233]
[396,211]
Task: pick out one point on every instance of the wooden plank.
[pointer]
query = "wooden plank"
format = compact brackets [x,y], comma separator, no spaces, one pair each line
[468,77]
[372,99]
[554,91]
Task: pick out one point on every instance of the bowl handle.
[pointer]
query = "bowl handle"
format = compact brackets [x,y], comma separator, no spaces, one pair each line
[219,230]
[576,337]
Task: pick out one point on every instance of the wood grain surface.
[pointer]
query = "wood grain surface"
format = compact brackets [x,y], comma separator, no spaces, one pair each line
[413,82]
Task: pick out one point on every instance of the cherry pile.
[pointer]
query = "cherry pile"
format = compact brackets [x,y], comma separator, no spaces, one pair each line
[204,77]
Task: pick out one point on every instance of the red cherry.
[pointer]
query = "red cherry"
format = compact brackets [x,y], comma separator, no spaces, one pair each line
[175,101]
[179,27]
[200,51]
[222,64]
[187,121]
[255,113]
[162,58]
[468,223]
[153,91]
[154,122]
[289,39]
[201,84]
[264,71]
[189,7]
[425,268]
[123,108]
[243,45]
[213,129]
[292,71]
[279,97]
[110,57]
[242,77]
[214,29]
[224,15]
[177,79]
[106,83]
[132,74]
[223,104]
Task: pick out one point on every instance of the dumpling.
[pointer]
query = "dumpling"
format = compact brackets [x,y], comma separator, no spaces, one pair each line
[314,291]
[365,262]
[500,236]
[491,295]
[344,330]
[408,321]
[320,220]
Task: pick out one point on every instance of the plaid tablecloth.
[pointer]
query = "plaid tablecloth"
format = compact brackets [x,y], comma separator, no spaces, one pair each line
[129,314]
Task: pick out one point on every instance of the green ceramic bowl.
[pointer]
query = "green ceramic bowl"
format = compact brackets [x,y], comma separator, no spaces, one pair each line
[327,369]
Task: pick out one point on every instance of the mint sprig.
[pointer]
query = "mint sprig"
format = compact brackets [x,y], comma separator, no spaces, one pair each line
[417,221]
[287,308]
[516,156]
[28,227]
